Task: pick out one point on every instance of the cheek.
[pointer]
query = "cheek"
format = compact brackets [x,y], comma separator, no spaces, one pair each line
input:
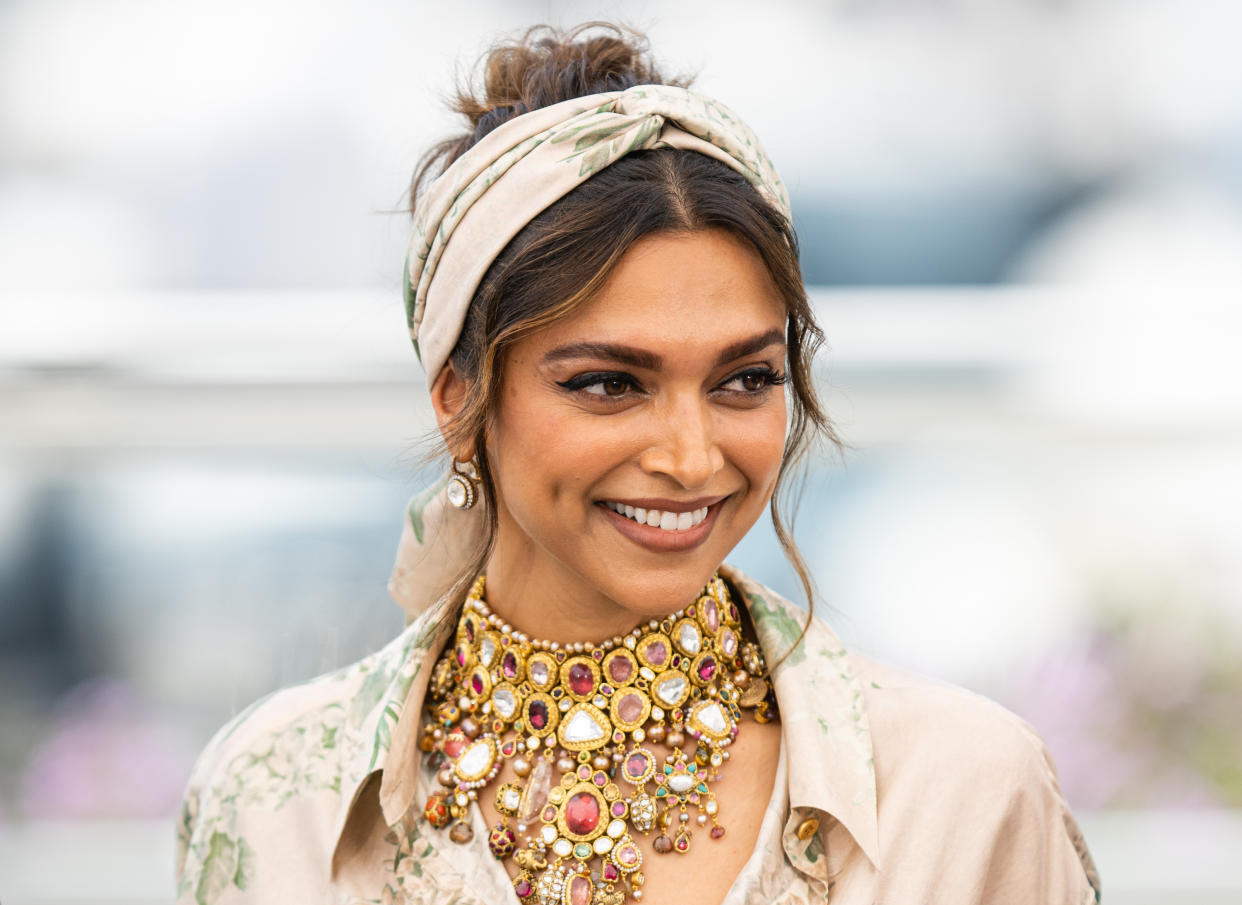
[759,447]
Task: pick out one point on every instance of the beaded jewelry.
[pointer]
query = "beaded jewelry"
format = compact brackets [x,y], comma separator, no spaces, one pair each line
[586,711]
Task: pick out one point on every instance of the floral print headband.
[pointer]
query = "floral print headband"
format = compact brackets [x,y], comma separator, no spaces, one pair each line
[477,205]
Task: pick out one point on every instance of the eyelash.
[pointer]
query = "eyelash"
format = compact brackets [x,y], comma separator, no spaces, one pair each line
[579,384]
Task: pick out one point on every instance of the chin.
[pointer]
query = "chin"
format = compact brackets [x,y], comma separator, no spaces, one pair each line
[654,593]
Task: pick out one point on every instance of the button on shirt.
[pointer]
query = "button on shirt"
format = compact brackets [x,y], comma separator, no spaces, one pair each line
[905,790]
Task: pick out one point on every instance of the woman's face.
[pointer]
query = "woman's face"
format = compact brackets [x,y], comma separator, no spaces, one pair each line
[661,398]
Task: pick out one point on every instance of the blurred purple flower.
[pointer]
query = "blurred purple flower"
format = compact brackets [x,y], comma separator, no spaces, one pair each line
[108,754]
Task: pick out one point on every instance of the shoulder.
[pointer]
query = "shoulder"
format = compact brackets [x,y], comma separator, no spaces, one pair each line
[305,715]
[284,762]
[958,770]
[918,722]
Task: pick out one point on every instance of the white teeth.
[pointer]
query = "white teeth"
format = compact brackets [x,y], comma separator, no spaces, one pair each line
[656,518]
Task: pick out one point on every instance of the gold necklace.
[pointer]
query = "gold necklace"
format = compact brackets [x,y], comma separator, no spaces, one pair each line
[587,712]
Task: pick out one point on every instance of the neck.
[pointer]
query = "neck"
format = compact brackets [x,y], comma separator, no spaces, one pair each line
[555,610]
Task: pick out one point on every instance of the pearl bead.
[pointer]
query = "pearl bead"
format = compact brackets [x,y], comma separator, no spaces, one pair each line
[638,895]
[702,819]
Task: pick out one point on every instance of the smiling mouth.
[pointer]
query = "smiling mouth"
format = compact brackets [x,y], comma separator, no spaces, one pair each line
[659,518]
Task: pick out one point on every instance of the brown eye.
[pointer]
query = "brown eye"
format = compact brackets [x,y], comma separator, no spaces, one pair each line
[753,381]
[614,386]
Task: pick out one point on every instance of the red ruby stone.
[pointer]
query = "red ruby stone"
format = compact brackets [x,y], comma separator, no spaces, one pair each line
[476,682]
[620,669]
[538,714]
[581,682]
[707,668]
[523,888]
[454,744]
[717,832]
[618,809]
[682,843]
[657,653]
[509,665]
[610,873]
[582,813]
[635,766]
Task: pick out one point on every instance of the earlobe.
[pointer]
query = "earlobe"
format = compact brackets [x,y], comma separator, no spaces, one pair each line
[448,397]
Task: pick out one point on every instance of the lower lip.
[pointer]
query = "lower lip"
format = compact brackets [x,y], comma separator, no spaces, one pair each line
[657,539]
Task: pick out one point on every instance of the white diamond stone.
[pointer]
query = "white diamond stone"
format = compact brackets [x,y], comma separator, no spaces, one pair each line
[603,845]
[549,834]
[616,829]
[512,799]
[680,782]
[539,671]
[562,847]
[475,761]
[582,727]
[487,650]
[713,718]
[505,703]
[689,638]
[670,690]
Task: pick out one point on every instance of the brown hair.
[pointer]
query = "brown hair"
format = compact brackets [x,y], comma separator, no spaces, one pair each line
[565,254]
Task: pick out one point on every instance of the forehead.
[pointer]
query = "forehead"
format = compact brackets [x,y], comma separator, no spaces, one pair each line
[701,288]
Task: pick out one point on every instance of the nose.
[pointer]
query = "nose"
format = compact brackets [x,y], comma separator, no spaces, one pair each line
[685,446]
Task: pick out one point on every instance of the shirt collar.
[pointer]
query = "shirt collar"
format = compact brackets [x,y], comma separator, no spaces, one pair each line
[823,716]
[823,713]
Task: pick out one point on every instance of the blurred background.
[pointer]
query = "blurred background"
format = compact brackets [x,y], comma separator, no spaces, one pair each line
[1022,220]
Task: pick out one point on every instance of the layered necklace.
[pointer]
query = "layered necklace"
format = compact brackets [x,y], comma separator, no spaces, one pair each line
[576,721]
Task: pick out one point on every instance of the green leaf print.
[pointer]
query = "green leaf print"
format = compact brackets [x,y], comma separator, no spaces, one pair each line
[370,693]
[219,868]
[418,505]
[771,620]
[646,129]
[594,160]
[245,865]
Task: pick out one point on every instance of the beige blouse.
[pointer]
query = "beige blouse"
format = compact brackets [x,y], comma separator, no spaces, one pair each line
[916,792]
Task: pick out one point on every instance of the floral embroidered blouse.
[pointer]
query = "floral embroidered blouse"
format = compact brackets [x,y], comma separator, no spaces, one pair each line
[906,791]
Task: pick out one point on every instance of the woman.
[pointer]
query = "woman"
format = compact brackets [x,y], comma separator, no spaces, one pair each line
[589,706]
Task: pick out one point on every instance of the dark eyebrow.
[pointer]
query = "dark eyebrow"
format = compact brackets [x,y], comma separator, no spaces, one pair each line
[745,347]
[641,358]
[628,355]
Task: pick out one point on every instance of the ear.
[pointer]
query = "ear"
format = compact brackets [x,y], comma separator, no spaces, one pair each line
[448,395]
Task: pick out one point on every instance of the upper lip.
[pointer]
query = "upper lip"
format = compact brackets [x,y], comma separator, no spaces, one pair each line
[666,505]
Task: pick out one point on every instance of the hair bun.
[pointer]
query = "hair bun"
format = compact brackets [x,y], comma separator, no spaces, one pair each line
[542,67]
[546,66]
